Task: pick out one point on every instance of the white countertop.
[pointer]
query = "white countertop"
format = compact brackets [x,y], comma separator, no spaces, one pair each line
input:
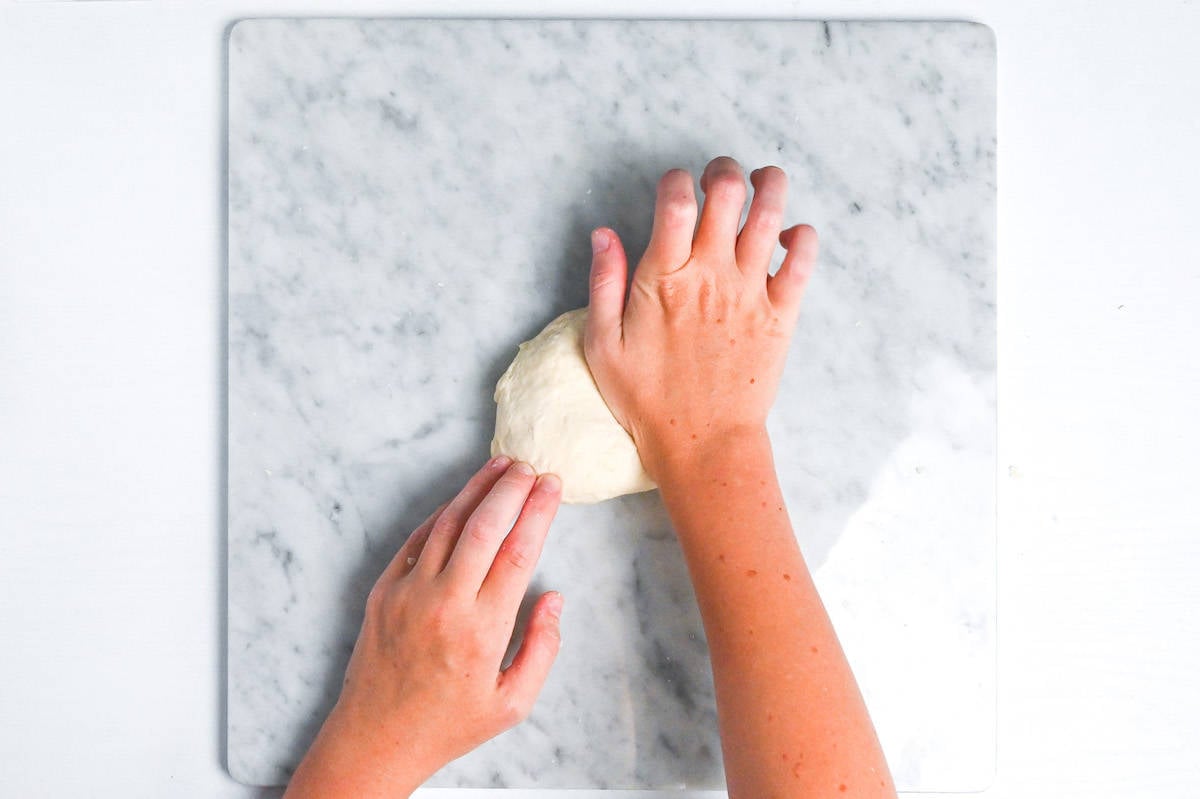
[111,510]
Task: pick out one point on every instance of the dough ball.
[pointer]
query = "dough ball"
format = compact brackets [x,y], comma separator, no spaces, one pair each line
[550,414]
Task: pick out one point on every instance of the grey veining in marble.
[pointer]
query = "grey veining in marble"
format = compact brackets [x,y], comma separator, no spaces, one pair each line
[409,199]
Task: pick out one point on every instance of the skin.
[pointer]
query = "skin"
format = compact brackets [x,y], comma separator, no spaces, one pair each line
[689,364]
[424,684]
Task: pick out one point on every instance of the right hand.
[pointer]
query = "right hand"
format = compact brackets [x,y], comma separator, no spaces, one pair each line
[697,352]
[424,684]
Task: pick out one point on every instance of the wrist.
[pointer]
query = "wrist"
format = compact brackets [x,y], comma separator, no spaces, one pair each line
[678,459]
[349,760]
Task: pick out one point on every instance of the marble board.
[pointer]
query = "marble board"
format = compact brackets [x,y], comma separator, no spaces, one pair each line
[410,198]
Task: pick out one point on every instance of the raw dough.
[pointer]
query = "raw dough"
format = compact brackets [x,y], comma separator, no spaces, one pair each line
[550,414]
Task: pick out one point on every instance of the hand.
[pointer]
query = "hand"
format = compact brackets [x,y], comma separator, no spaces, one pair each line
[697,352]
[424,684]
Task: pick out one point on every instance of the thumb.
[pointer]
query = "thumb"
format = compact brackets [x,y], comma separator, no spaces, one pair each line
[606,303]
[523,680]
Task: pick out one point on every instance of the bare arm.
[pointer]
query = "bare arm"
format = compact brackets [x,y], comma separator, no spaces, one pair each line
[690,366]
[792,720]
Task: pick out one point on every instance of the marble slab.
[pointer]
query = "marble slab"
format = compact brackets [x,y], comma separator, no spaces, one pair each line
[409,199]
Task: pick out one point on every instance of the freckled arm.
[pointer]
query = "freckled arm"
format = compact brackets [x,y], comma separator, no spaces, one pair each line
[792,719]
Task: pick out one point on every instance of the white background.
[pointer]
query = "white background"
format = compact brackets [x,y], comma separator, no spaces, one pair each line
[111,350]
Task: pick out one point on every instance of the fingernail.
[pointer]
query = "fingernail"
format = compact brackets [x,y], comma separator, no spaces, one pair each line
[599,241]
[554,605]
[524,468]
[500,462]
[549,483]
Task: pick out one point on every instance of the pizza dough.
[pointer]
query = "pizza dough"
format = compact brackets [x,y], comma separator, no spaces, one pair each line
[550,414]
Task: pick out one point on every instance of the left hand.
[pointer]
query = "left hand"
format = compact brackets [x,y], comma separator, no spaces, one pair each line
[424,684]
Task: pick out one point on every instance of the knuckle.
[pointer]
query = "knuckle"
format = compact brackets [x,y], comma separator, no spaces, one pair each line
[516,556]
[445,526]
[603,280]
[766,220]
[552,636]
[481,641]
[440,622]
[671,291]
[480,531]
[707,299]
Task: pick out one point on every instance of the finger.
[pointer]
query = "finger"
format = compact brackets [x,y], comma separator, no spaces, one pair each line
[508,578]
[786,287]
[724,190]
[486,528]
[606,302]
[674,223]
[522,681]
[447,526]
[760,234]
[406,556]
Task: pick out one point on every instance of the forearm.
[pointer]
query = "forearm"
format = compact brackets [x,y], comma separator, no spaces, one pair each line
[792,720]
